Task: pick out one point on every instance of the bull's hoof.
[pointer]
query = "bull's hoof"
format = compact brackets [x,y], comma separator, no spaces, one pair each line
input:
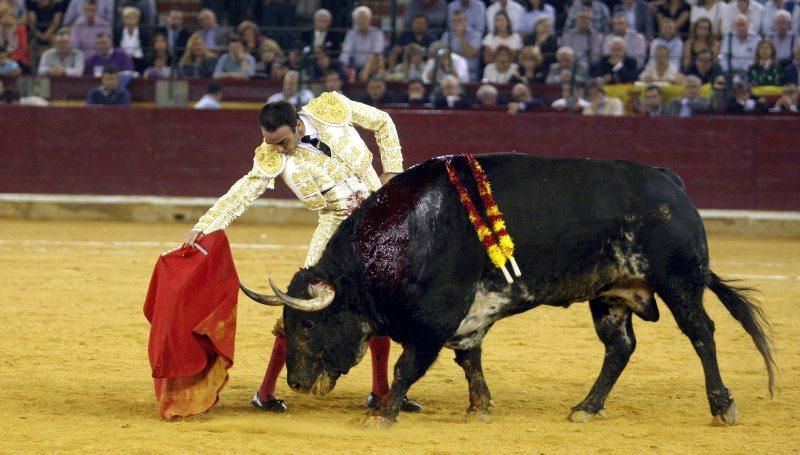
[370,420]
[727,418]
[583,416]
[478,415]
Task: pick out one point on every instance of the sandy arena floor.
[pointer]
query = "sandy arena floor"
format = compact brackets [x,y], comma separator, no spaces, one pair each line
[74,374]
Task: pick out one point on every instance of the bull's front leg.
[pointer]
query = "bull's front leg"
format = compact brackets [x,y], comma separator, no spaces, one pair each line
[480,400]
[412,365]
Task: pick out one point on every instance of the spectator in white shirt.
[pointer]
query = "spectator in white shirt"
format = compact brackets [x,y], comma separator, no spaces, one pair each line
[750,8]
[501,70]
[443,62]
[362,40]
[513,9]
[62,59]
[741,46]
[671,40]
[212,98]
[782,36]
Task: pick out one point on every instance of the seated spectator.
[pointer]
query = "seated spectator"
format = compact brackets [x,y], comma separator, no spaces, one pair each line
[639,18]
[661,68]
[62,59]
[543,38]
[106,55]
[769,15]
[294,56]
[692,103]
[88,27]
[133,39]
[441,62]
[8,67]
[617,68]
[502,35]
[177,34]
[418,34]
[450,94]
[362,40]
[109,93]
[105,10]
[536,10]
[701,38]
[522,100]
[530,70]
[147,10]
[669,39]
[269,50]
[635,47]
[279,69]
[742,49]
[789,100]
[743,101]
[600,15]
[212,98]
[18,10]
[236,63]
[415,94]
[583,40]
[765,70]
[465,42]
[565,62]
[487,95]
[251,37]
[652,102]
[793,68]
[374,67]
[434,12]
[332,82]
[158,66]
[501,70]
[600,104]
[214,37]
[159,51]
[321,35]
[513,10]
[572,99]
[411,66]
[705,67]
[377,95]
[710,10]
[678,11]
[291,92]
[752,10]
[324,63]
[784,38]
[197,61]
[474,10]
[14,37]
[43,20]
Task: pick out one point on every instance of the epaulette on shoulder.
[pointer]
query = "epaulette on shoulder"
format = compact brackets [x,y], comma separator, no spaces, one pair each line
[330,108]
[269,160]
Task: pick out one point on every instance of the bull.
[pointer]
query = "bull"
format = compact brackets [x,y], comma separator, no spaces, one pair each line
[408,264]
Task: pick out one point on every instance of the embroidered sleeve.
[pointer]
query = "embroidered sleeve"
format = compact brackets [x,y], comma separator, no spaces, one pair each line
[230,206]
[385,134]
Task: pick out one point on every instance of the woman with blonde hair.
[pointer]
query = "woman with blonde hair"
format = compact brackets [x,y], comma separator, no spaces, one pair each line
[268,52]
[530,69]
[251,37]
[197,59]
[661,70]
[13,37]
[411,66]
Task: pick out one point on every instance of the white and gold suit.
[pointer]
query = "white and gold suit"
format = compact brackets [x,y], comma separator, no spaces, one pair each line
[323,183]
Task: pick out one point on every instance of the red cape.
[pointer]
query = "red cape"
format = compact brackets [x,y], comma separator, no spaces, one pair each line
[191,306]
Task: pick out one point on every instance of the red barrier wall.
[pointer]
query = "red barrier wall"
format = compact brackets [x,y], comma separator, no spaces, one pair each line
[727,162]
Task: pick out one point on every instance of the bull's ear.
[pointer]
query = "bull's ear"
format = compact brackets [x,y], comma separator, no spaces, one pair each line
[322,294]
[263,299]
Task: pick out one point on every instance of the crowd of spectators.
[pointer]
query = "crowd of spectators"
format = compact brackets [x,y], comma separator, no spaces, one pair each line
[584,46]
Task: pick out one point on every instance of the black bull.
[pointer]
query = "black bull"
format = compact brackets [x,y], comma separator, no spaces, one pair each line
[408,264]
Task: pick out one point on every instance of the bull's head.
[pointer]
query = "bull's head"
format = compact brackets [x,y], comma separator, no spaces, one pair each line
[325,337]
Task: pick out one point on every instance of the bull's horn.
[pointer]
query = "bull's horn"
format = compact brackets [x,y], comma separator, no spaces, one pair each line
[322,294]
[270,300]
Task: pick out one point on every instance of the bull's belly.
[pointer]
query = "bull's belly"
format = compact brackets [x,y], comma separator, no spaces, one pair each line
[490,306]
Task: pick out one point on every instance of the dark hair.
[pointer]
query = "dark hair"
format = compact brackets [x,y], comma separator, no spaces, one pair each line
[416,81]
[653,87]
[329,72]
[110,69]
[235,39]
[213,88]
[274,115]
[418,15]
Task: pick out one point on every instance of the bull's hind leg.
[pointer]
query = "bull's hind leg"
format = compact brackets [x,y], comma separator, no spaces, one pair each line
[613,325]
[686,305]
[412,365]
[479,397]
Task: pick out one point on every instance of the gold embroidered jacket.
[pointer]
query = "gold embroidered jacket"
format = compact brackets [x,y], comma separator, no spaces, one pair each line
[308,172]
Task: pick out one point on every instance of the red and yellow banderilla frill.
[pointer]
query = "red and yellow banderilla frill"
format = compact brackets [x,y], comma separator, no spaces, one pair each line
[498,254]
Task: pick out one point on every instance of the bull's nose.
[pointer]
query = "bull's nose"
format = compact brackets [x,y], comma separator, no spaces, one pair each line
[295,385]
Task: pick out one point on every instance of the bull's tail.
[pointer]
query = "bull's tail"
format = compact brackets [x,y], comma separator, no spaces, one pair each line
[745,309]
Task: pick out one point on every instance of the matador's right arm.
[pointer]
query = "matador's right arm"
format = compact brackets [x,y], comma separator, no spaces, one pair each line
[230,206]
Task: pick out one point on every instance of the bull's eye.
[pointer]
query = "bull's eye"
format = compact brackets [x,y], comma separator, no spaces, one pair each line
[308,323]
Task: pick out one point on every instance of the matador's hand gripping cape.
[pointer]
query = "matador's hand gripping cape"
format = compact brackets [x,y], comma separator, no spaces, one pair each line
[191,306]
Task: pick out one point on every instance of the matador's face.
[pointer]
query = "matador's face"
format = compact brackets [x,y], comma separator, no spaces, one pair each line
[283,138]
